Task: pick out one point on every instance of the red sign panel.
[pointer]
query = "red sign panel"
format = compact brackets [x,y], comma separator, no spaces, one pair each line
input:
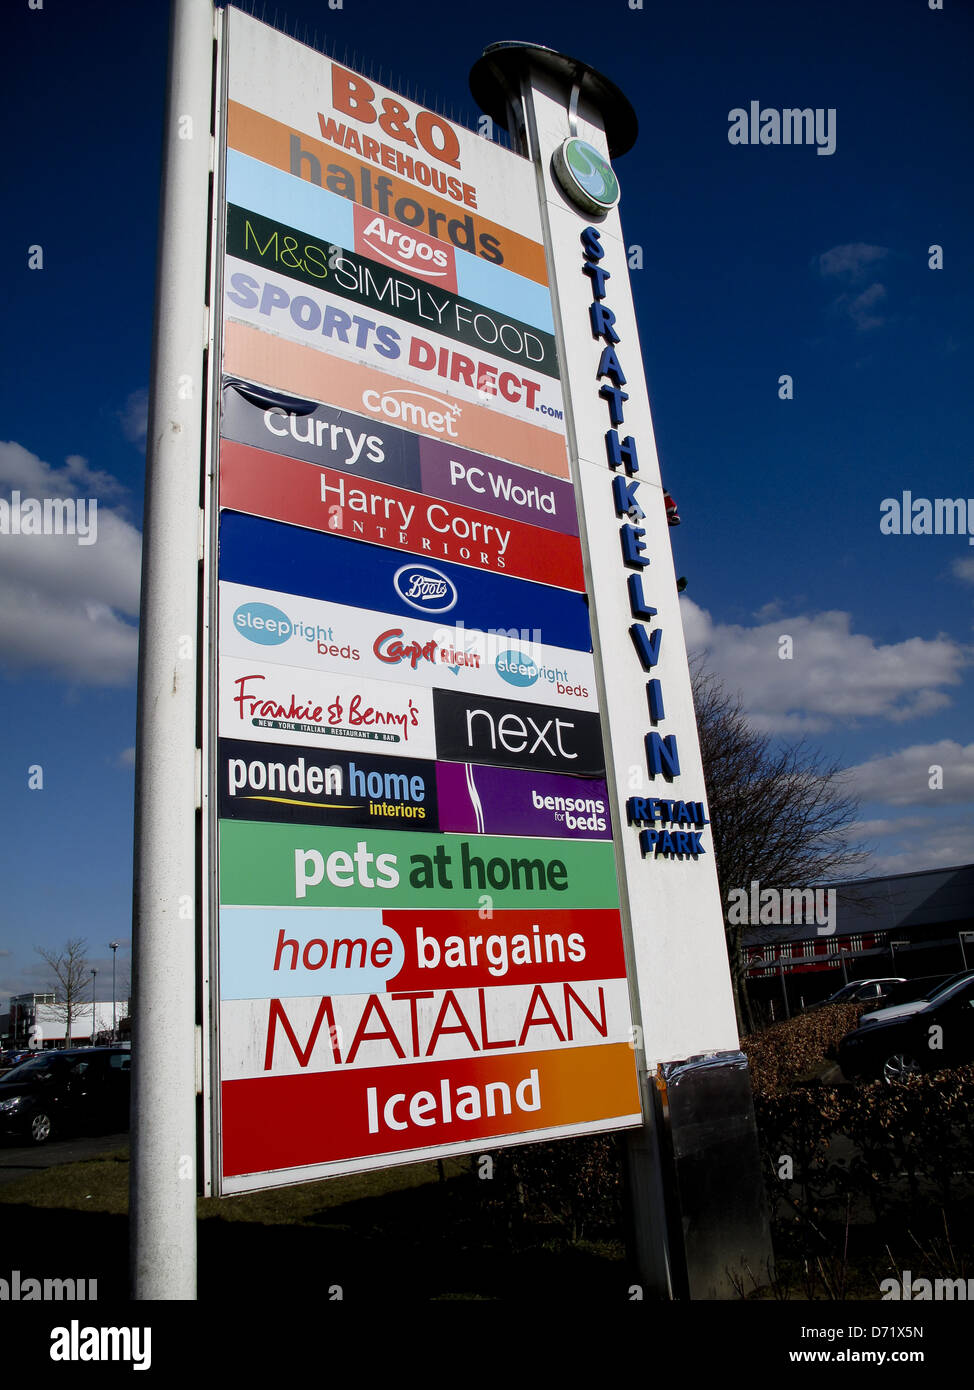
[323,499]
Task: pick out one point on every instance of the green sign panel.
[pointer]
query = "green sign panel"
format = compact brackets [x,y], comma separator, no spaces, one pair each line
[264,865]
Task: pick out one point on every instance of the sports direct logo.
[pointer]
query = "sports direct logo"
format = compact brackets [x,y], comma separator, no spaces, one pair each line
[425,588]
[392,243]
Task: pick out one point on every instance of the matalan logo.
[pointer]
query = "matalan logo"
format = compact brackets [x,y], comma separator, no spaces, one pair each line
[394,244]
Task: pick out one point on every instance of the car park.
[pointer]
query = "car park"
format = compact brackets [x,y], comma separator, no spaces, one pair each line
[906,1039]
[73,1091]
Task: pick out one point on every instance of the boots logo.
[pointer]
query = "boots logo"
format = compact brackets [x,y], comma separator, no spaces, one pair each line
[403,247]
[425,588]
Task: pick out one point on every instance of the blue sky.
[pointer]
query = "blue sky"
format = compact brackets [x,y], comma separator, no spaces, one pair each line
[758,261]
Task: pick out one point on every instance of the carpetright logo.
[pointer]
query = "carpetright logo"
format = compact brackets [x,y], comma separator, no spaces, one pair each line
[403,247]
[424,588]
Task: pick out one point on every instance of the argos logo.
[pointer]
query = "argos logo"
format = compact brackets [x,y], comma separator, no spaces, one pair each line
[517,668]
[393,243]
[425,588]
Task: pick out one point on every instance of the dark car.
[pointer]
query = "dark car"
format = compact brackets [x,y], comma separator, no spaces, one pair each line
[12,1059]
[921,1036]
[870,992]
[68,1092]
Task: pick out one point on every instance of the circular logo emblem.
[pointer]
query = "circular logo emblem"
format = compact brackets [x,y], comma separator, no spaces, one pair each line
[425,588]
[586,175]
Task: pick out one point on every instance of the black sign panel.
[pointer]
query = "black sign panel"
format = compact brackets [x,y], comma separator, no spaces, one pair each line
[273,782]
[342,272]
[320,434]
[510,733]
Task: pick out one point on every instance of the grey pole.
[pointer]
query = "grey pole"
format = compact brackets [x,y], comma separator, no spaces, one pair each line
[94,972]
[114,945]
[166,897]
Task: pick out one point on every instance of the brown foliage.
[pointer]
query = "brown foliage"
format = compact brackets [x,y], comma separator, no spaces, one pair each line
[785,1051]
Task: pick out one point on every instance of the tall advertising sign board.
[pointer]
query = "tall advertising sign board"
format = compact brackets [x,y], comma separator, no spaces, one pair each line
[417,946]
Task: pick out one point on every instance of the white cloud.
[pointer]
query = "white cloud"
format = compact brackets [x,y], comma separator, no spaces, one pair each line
[903,778]
[940,847]
[862,308]
[871,829]
[835,677]
[963,568]
[134,417]
[850,262]
[67,607]
[21,469]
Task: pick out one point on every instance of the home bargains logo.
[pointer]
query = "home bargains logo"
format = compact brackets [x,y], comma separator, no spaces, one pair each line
[404,248]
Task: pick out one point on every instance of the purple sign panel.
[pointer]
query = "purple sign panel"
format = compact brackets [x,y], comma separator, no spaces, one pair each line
[509,801]
[503,489]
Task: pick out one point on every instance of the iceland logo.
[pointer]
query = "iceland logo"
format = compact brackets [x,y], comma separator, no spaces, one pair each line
[425,588]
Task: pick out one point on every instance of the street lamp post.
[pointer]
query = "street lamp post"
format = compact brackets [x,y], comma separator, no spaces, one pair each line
[114,945]
[94,972]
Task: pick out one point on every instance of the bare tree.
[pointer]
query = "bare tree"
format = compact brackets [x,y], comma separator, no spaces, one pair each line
[779,812]
[70,975]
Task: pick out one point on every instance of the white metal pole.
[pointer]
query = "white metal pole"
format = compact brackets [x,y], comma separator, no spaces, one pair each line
[163,1169]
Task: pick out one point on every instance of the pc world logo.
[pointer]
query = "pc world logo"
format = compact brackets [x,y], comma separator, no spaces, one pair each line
[586,175]
[425,588]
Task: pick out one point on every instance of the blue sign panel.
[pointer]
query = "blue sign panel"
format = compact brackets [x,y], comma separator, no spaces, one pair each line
[289,559]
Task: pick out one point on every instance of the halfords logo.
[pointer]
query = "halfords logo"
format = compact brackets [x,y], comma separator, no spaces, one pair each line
[425,588]
[411,408]
[394,244]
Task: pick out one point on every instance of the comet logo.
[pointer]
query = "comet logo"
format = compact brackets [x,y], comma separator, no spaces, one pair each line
[403,247]
[411,409]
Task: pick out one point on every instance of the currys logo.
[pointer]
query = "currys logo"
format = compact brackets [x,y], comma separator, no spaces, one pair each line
[425,588]
[517,668]
[263,623]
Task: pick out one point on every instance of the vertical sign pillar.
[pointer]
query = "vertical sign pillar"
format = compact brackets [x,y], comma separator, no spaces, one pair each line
[163,1177]
[570,121]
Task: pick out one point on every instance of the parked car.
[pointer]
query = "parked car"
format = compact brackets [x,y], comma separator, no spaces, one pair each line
[920,1036]
[12,1059]
[66,1092]
[874,992]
